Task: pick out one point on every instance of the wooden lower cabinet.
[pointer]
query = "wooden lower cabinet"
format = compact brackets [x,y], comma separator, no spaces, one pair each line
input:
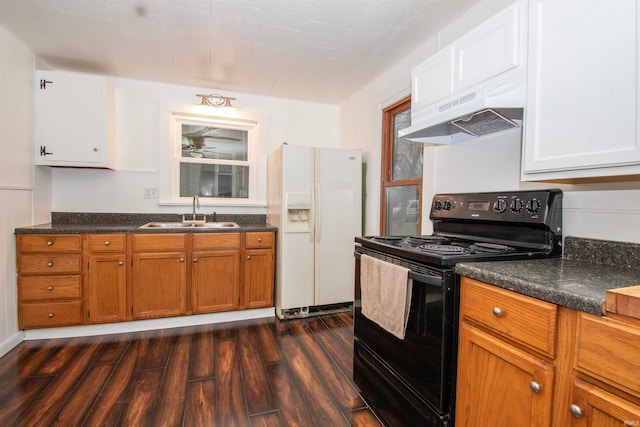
[79,279]
[500,385]
[215,280]
[159,284]
[49,280]
[107,288]
[107,278]
[587,376]
[605,387]
[258,278]
[595,407]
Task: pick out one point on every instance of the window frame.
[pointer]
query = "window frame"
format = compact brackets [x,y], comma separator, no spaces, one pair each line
[386,162]
[251,127]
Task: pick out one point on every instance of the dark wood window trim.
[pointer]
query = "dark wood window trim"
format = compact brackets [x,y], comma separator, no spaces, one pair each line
[386,180]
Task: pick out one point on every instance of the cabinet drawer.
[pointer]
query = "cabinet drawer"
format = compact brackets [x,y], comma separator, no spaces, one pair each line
[50,314]
[50,263]
[159,242]
[259,239]
[70,243]
[107,242]
[216,241]
[609,350]
[49,287]
[523,319]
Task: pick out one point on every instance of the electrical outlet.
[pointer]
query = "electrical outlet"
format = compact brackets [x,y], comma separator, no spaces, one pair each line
[150,193]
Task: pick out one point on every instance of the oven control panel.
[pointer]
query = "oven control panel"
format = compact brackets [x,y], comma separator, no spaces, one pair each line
[538,207]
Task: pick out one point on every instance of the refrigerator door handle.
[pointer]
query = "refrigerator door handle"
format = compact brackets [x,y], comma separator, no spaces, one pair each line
[318,216]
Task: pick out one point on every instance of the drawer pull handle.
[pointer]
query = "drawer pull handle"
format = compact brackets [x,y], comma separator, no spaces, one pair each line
[497,312]
[248,256]
[49,264]
[535,387]
[107,243]
[120,263]
[181,259]
[195,260]
[50,288]
[259,239]
[576,411]
[49,243]
[50,315]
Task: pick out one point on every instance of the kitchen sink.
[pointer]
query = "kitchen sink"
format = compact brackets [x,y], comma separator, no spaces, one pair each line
[225,224]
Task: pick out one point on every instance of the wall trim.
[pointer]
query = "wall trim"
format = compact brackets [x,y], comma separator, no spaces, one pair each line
[133,170]
[15,187]
[7,345]
[146,325]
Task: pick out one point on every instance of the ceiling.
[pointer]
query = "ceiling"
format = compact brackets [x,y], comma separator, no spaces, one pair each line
[311,50]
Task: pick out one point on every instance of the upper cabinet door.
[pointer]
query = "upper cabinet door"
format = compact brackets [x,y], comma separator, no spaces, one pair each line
[74,114]
[582,100]
[432,80]
[488,50]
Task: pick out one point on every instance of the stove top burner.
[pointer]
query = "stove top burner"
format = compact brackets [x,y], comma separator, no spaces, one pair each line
[492,248]
[444,249]
[425,240]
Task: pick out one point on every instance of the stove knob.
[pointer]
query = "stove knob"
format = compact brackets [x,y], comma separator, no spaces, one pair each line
[500,205]
[437,205]
[533,206]
[447,205]
[517,205]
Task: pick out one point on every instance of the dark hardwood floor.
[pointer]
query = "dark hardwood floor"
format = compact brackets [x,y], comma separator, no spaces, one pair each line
[262,372]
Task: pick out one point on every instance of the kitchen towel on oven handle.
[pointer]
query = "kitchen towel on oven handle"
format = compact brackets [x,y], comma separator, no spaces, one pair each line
[385,291]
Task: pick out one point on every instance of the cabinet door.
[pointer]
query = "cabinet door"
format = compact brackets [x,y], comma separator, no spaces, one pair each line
[431,81]
[594,407]
[216,281]
[159,284]
[107,288]
[71,120]
[488,50]
[499,385]
[258,278]
[582,110]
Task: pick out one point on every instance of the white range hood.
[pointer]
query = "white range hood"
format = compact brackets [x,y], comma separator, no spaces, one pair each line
[493,107]
[473,87]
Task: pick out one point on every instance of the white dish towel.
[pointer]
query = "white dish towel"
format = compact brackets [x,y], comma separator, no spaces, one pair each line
[385,292]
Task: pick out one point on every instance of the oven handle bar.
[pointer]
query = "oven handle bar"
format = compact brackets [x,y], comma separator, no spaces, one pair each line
[429,280]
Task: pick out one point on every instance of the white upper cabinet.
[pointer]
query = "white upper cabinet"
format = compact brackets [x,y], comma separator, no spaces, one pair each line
[438,68]
[581,116]
[487,51]
[74,120]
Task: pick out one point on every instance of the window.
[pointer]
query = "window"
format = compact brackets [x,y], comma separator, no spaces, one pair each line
[213,158]
[401,181]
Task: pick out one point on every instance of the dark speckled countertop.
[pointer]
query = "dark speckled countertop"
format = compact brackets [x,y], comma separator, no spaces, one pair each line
[578,280]
[78,223]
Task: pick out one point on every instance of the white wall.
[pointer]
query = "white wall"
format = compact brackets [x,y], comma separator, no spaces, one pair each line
[142,145]
[605,211]
[16,172]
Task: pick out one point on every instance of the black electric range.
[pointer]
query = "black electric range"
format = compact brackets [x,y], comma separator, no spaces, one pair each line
[411,381]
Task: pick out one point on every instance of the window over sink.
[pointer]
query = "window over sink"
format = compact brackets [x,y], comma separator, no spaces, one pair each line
[213,158]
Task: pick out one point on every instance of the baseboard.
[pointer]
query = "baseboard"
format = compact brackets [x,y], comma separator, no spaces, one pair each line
[146,325]
[12,341]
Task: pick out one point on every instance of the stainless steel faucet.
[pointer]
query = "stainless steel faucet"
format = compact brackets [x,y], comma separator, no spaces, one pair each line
[196,203]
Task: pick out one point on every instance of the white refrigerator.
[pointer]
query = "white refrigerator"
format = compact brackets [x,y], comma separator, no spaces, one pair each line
[315,200]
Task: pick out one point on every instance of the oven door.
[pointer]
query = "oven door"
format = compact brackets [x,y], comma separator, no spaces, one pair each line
[421,365]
